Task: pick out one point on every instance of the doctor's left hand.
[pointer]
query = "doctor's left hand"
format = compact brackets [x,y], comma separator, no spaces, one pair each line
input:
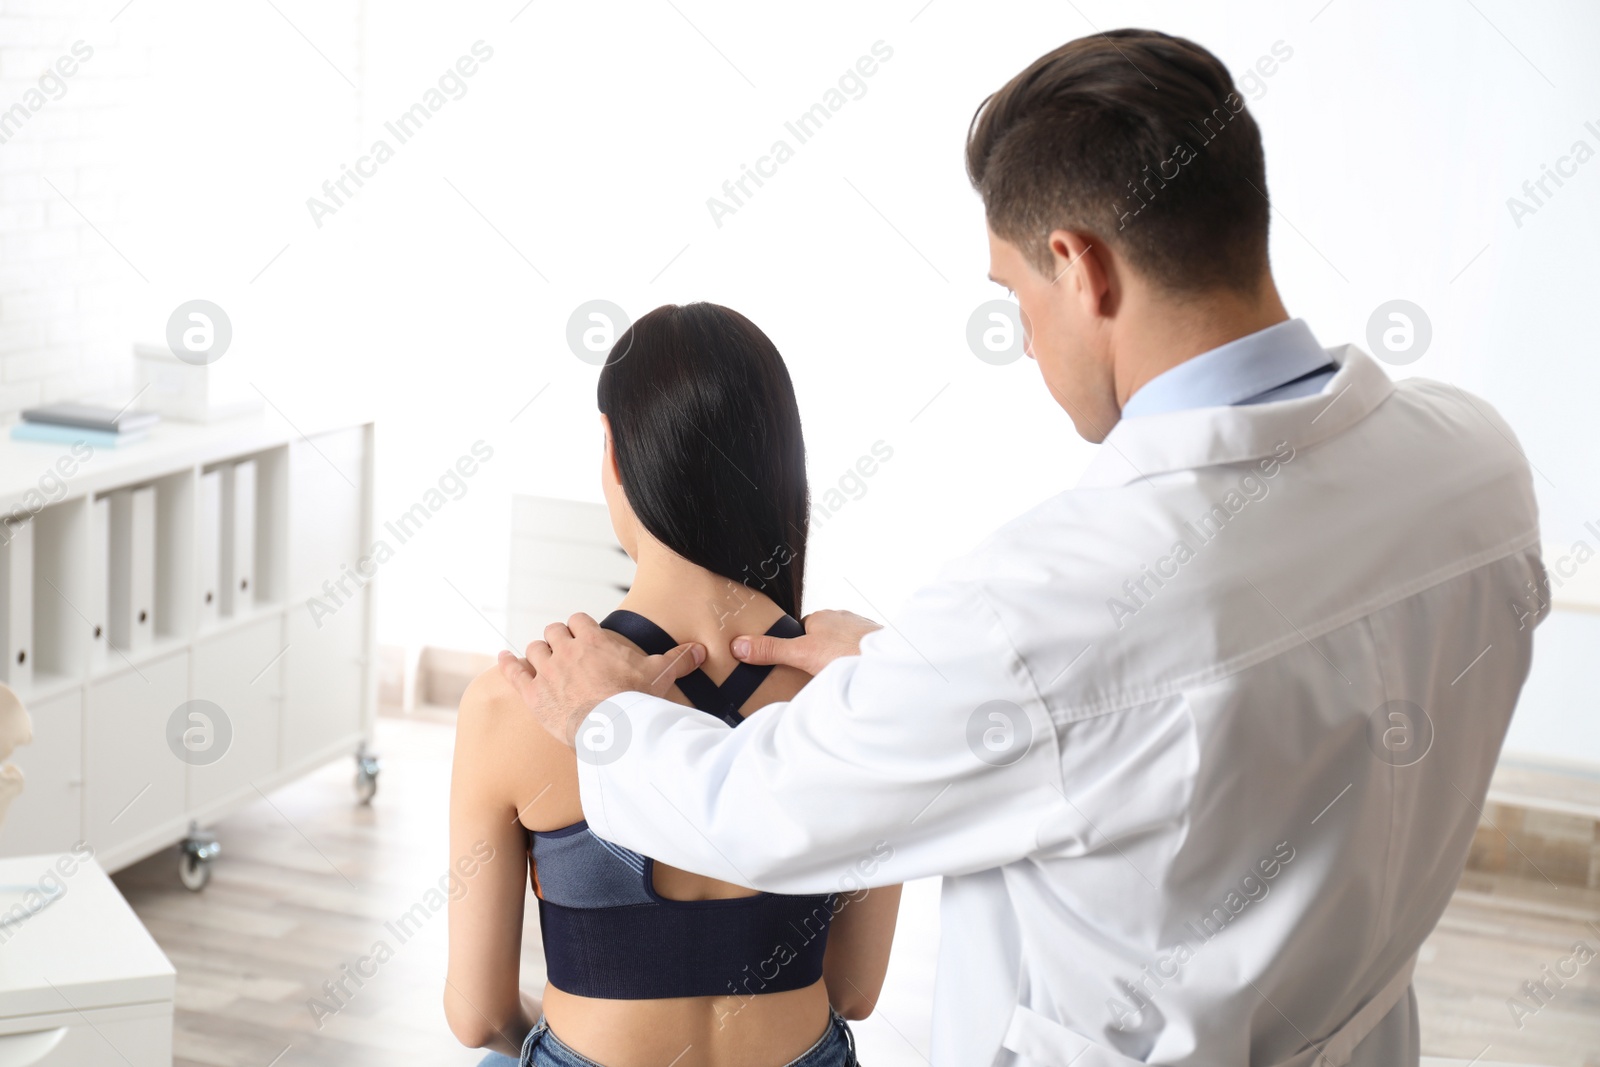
[578,665]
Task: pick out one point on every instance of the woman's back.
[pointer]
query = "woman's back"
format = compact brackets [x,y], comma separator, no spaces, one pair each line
[704,477]
[746,1022]
[787,1017]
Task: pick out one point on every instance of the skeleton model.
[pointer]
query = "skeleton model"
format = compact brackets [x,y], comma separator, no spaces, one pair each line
[15,729]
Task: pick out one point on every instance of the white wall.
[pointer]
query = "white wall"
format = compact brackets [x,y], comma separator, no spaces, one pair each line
[63,291]
[578,164]
[148,176]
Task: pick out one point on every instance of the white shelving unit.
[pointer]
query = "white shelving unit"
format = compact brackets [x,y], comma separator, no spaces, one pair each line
[296,688]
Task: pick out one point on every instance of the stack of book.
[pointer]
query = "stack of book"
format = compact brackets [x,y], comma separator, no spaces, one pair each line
[97,426]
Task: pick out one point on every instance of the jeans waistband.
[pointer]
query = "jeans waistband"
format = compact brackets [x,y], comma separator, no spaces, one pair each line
[835,1048]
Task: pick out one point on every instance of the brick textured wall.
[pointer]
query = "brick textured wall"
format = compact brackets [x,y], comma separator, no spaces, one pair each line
[62,291]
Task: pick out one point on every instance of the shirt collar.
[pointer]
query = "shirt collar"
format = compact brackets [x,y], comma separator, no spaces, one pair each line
[1185,440]
[1232,373]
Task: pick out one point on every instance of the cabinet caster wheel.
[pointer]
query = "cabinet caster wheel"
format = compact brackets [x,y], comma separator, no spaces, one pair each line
[195,855]
[367,768]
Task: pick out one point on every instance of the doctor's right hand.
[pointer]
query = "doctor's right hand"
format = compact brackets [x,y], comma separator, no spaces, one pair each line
[829,635]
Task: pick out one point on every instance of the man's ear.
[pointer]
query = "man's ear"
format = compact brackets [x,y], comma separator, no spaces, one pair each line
[1082,263]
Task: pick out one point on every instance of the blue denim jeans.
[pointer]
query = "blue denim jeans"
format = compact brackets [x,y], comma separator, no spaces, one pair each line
[835,1048]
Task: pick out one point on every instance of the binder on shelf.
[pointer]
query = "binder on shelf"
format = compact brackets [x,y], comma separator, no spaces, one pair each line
[210,547]
[16,590]
[132,568]
[238,537]
[96,579]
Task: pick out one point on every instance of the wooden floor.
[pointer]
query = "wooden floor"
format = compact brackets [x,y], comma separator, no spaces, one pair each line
[305,883]
[307,880]
[1499,933]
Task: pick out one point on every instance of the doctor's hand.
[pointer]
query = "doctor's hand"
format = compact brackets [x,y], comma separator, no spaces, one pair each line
[829,635]
[578,665]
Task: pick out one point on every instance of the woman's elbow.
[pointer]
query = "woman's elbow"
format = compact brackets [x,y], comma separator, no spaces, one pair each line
[472,1033]
[855,1005]
[467,1023]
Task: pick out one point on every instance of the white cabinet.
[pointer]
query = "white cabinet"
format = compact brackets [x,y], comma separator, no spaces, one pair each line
[239,671]
[324,675]
[48,815]
[325,667]
[326,510]
[134,547]
[133,781]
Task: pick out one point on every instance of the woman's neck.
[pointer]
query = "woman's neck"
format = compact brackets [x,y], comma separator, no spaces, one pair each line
[694,604]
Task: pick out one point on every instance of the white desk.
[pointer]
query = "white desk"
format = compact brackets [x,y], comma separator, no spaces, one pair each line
[81,982]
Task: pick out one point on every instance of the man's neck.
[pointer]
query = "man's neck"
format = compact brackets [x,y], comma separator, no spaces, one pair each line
[1165,333]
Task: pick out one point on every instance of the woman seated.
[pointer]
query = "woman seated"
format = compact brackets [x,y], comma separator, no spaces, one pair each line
[646,965]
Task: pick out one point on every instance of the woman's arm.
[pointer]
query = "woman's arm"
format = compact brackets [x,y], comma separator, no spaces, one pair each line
[858,950]
[482,1001]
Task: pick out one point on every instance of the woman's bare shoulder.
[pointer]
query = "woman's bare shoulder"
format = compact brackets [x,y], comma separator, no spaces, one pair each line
[503,742]
[490,693]
[492,707]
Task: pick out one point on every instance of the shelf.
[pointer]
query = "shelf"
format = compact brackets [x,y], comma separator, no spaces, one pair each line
[44,686]
[231,623]
[120,662]
[125,553]
[171,447]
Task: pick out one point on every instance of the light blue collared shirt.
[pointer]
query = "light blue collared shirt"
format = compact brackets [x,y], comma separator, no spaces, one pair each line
[1278,363]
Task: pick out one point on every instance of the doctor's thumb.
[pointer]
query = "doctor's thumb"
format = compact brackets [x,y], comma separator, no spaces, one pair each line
[763,650]
[674,664]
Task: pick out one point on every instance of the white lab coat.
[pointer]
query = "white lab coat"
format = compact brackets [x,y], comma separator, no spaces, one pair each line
[1217,845]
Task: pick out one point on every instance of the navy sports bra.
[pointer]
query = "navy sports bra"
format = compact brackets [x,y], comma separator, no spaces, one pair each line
[606,931]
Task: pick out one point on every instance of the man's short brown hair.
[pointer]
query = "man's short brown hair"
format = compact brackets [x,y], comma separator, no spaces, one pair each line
[1138,138]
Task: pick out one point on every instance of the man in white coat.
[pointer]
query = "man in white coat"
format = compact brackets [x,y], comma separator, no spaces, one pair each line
[1198,745]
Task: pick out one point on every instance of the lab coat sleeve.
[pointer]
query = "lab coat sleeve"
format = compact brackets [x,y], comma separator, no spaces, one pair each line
[929,753]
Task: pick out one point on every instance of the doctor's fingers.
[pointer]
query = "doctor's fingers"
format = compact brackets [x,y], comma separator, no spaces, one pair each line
[808,653]
[581,625]
[518,671]
[538,655]
[841,626]
[665,669]
[801,652]
[556,634]
[829,635]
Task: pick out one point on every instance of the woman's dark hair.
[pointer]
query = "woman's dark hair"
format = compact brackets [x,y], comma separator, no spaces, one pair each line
[706,433]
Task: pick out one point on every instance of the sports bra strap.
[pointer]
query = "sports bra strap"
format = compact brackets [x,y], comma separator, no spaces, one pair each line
[723,701]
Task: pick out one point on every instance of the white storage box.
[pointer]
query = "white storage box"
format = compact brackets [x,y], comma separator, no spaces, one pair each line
[189,392]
